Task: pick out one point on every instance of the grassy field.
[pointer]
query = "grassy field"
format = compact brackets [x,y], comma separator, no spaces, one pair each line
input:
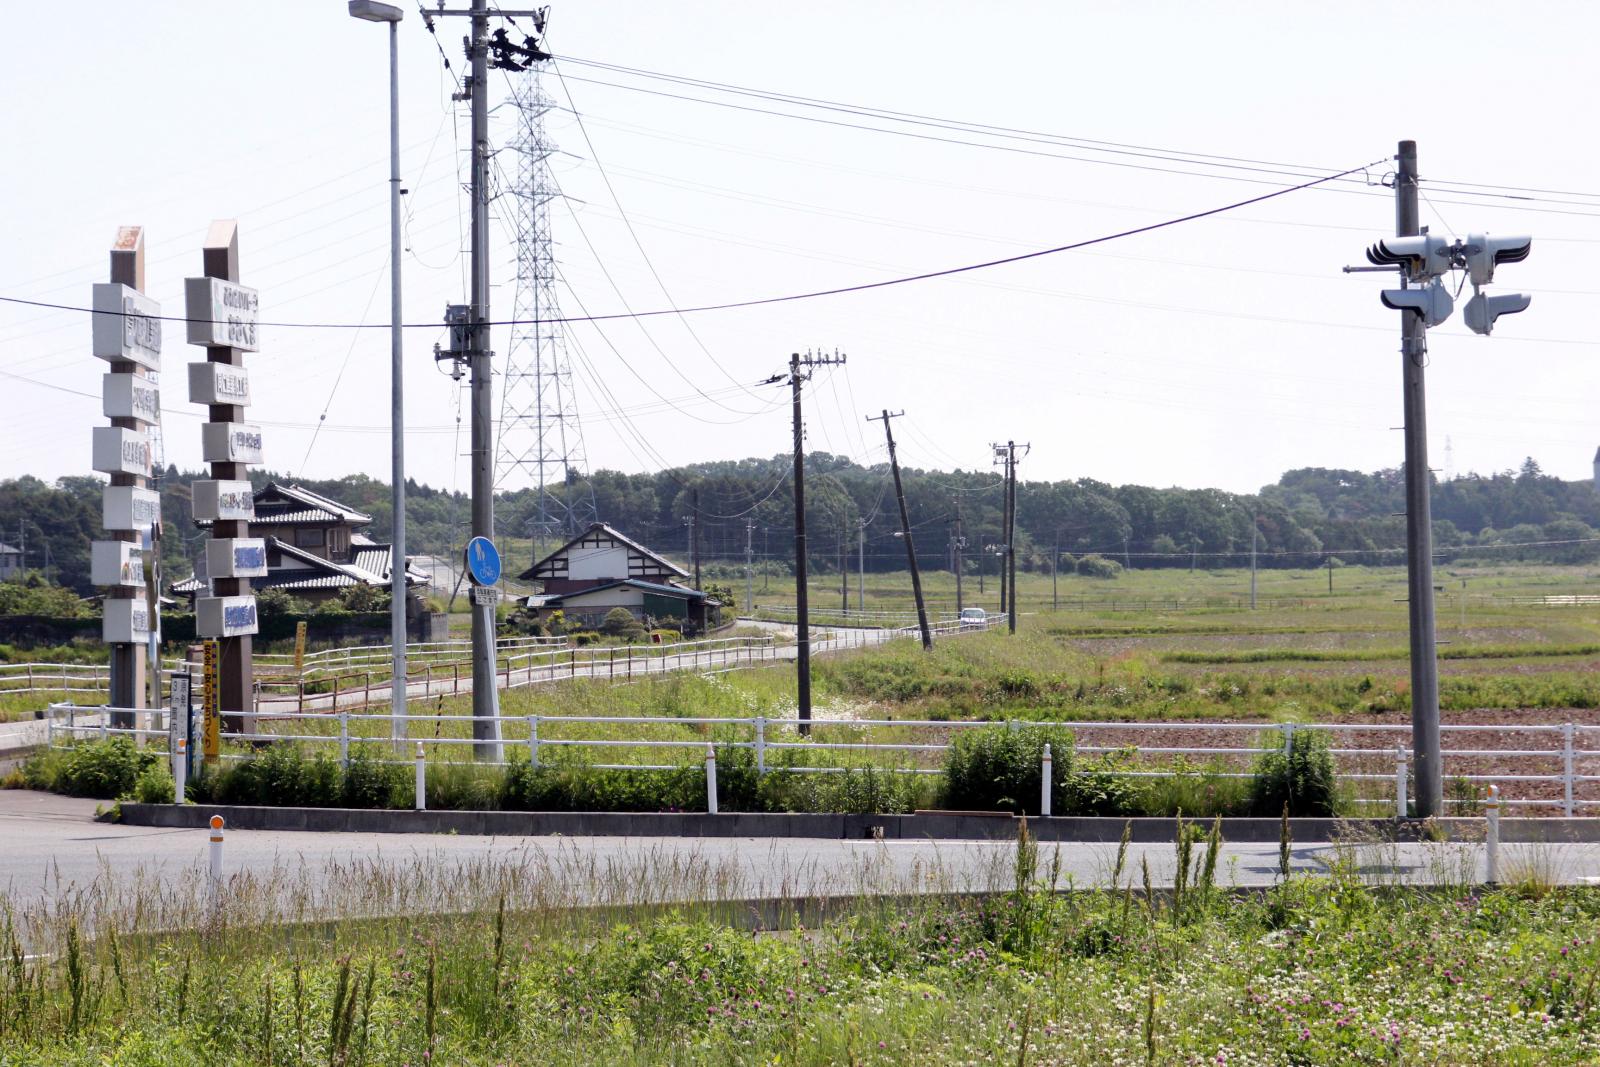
[491,963]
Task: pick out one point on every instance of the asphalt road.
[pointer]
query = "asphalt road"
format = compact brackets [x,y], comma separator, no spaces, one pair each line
[52,844]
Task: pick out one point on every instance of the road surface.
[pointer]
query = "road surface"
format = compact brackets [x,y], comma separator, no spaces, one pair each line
[53,845]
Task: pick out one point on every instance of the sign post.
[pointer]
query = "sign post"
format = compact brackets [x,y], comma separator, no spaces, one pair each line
[211,690]
[126,332]
[300,646]
[177,717]
[221,316]
[483,569]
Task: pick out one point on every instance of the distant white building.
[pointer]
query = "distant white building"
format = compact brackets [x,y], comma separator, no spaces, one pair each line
[11,556]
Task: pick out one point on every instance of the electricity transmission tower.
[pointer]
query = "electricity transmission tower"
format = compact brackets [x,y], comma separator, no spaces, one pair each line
[541,440]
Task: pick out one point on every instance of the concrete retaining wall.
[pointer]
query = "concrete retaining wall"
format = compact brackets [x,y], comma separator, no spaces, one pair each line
[922,826]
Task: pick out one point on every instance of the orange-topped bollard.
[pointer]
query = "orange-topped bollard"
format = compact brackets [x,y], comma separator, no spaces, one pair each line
[216,852]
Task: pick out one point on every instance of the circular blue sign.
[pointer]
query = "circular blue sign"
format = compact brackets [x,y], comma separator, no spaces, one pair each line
[483,561]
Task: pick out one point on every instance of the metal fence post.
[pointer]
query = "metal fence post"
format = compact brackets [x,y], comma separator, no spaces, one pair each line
[1567,804]
[1400,809]
[761,744]
[1491,844]
[1045,779]
[344,740]
[711,778]
[533,740]
[422,780]
[1013,725]
[1288,739]
[104,724]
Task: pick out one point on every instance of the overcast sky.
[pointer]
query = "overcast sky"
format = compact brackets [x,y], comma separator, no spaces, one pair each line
[1215,353]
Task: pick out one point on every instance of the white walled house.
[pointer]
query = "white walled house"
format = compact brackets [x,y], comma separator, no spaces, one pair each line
[602,569]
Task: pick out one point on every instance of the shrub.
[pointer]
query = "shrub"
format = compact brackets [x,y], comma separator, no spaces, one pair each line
[104,769]
[620,622]
[1302,778]
[369,782]
[1095,566]
[281,774]
[155,784]
[997,768]
[365,598]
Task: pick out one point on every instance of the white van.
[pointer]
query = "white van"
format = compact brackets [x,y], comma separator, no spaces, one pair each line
[974,619]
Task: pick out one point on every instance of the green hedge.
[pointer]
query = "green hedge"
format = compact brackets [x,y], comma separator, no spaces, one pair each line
[990,768]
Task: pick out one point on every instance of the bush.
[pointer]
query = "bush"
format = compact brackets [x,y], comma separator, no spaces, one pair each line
[103,769]
[1094,566]
[281,774]
[365,598]
[369,782]
[620,622]
[1303,779]
[155,784]
[996,767]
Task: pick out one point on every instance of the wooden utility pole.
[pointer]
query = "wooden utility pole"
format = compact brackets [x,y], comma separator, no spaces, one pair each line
[905,529]
[799,371]
[956,546]
[1011,529]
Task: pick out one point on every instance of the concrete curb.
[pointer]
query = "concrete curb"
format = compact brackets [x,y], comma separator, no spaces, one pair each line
[925,826]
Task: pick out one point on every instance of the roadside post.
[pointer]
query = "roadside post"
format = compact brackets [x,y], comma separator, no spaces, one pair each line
[483,569]
[1045,775]
[711,779]
[1491,844]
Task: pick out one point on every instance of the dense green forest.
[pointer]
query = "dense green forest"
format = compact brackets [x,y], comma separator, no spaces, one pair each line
[1309,515]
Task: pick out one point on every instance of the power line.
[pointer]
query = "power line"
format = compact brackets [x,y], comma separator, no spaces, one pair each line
[790,297]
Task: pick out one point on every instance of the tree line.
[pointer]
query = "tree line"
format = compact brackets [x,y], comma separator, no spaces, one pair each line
[1306,517]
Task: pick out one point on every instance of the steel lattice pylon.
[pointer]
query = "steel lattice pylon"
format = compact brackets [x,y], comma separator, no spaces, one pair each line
[540,444]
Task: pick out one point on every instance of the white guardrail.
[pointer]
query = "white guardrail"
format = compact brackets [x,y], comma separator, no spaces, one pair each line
[1378,768]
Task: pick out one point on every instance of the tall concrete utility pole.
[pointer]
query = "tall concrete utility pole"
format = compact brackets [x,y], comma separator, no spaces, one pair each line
[484,704]
[905,529]
[844,575]
[1005,524]
[749,573]
[1011,529]
[1254,536]
[861,564]
[1419,533]
[797,377]
[959,543]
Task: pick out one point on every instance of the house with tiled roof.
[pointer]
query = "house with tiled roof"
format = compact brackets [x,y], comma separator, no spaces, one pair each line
[601,569]
[315,548]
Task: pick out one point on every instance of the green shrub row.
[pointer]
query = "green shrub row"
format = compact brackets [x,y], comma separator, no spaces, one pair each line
[986,768]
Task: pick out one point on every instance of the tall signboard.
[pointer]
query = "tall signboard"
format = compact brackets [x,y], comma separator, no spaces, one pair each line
[221,316]
[125,330]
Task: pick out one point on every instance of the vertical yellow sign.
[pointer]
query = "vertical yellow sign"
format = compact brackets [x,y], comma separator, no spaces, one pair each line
[211,733]
[299,646]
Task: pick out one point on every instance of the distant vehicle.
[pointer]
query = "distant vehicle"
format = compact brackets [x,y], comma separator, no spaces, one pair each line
[974,618]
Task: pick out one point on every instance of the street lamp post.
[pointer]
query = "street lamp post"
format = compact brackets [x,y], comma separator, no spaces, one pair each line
[371,11]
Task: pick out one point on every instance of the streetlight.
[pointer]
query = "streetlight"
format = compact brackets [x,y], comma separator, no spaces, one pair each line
[371,11]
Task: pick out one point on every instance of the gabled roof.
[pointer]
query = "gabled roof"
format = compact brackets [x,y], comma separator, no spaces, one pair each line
[677,591]
[532,573]
[369,567]
[277,504]
[10,550]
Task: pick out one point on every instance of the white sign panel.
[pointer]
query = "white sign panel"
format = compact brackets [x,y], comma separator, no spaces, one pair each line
[225,616]
[125,327]
[236,557]
[118,450]
[223,500]
[115,563]
[218,383]
[125,508]
[125,621]
[128,396]
[220,313]
[230,442]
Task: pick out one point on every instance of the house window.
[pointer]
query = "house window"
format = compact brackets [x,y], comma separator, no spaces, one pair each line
[308,537]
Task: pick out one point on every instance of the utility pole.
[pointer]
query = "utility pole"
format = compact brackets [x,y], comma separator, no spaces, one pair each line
[1005,523]
[692,521]
[766,558]
[749,573]
[905,529]
[861,564]
[959,543]
[1419,535]
[797,378]
[1254,531]
[1011,530]
[844,575]
[1055,559]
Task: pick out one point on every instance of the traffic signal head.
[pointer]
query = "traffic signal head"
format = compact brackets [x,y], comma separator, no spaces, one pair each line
[1482,309]
[1422,257]
[1483,252]
[1433,302]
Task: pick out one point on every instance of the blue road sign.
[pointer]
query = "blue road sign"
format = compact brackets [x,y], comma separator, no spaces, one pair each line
[483,561]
